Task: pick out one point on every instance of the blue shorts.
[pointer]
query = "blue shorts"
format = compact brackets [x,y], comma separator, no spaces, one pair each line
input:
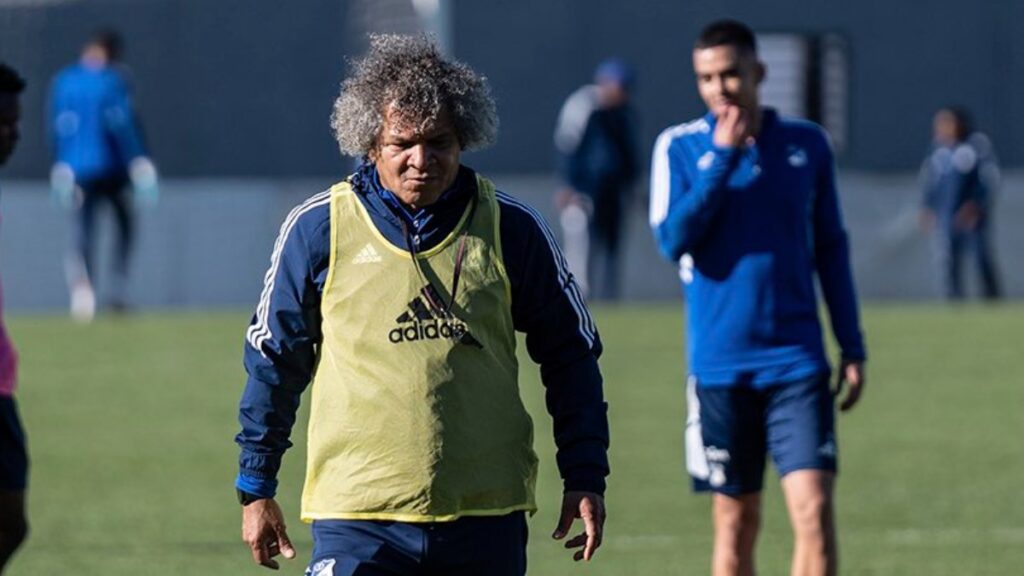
[469,546]
[13,456]
[729,430]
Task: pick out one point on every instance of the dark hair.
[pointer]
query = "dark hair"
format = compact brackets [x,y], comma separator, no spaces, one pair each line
[110,40]
[727,33]
[10,81]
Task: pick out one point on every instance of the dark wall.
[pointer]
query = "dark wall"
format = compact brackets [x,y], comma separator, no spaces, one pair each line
[224,87]
[244,87]
[907,59]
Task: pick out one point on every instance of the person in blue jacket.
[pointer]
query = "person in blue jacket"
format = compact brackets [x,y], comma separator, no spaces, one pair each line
[597,165]
[960,178]
[98,149]
[395,296]
[746,203]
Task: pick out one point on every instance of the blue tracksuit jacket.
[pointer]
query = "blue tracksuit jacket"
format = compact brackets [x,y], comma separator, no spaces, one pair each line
[951,176]
[595,148]
[93,127]
[751,228]
[546,305]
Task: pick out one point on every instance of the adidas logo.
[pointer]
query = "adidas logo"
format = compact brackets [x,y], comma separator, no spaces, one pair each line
[419,322]
[367,255]
[828,449]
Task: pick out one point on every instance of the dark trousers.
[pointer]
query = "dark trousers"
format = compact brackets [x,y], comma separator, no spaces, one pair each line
[469,546]
[951,249]
[605,239]
[13,454]
[112,191]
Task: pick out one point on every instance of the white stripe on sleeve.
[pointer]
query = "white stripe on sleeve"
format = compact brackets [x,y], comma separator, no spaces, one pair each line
[259,332]
[661,173]
[587,328]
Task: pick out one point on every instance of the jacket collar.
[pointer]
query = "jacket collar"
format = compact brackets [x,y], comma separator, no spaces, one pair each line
[366,182]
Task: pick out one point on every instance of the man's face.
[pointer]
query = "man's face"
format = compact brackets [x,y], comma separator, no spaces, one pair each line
[10,115]
[95,55]
[727,76]
[945,128]
[612,94]
[417,163]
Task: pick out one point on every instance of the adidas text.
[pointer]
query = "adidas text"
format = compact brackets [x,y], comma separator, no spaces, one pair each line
[428,331]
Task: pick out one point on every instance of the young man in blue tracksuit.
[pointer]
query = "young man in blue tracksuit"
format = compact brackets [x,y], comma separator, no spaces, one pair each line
[746,203]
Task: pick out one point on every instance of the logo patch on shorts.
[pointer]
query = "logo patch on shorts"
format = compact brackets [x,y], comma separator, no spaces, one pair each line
[828,449]
[321,568]
[717,459]
[717,476]
[716,454]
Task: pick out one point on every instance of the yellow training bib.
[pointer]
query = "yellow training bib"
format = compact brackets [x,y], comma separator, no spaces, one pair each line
[416,414]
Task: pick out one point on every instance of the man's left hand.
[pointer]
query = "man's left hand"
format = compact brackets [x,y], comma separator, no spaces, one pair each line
[589,507]
[851,373]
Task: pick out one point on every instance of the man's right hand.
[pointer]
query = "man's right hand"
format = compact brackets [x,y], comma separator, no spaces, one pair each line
[263,530]
[733,128]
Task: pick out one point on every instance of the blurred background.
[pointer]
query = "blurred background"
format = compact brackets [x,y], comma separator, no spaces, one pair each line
[130,418]
[235,96]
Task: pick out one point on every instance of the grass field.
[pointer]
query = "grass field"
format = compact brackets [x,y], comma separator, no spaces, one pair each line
[131,421]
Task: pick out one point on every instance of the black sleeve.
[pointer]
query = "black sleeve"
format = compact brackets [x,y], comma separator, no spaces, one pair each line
[561,337]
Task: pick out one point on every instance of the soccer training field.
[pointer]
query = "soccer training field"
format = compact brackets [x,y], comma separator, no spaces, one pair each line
[131,421]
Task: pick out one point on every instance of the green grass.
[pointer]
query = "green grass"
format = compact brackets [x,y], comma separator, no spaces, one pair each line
[130,425]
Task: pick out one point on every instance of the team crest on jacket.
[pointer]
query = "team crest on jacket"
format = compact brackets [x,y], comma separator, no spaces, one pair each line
[421,321]
[797,156]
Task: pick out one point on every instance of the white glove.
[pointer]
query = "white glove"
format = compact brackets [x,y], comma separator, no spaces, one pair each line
[62,184]
[144,180]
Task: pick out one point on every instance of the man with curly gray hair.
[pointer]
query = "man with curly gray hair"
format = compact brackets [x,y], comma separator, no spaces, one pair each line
[397,293]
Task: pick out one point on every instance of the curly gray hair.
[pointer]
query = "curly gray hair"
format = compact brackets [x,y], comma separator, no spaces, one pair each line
[409,74]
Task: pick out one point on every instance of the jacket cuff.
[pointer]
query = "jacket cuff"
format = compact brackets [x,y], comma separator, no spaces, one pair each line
[586,480]
[259,466]
[855,354]
[262,487]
